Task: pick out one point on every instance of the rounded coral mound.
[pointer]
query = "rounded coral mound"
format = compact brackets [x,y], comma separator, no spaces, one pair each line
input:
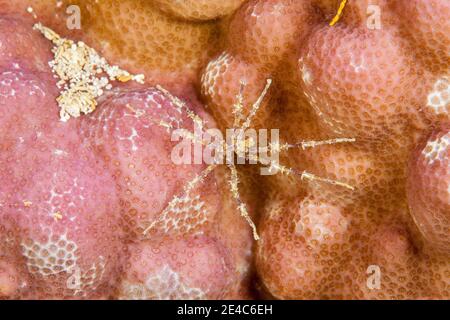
[356,207]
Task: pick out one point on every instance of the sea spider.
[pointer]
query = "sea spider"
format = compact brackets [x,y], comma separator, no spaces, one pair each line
[241,146]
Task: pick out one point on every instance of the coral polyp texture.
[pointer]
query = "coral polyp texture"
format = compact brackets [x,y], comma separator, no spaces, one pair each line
[355,205]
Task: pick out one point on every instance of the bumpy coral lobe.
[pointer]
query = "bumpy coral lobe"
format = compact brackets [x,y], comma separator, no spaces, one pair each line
[49,211]
[309,239]
[368,80]
[427,26]
[385,87]
[68,228]
[428,188]
[192,268]
[144,171]
[269,30]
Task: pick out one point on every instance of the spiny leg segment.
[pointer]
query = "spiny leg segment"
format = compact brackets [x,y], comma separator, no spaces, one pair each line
[242,207]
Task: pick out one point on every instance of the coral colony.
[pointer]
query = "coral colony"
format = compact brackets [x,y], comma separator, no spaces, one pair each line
[113,187]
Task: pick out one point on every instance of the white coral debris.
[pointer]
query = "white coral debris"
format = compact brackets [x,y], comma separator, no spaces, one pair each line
[83,74]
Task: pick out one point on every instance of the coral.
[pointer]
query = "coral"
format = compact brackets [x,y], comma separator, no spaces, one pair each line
[429,189]
[356,208]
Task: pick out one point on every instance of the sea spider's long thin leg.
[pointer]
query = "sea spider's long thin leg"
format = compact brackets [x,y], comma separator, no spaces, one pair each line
[305,175]
[249,118]
[256,106]
[186,192]
[315,143]
[244,123]
[181,105]
[277,147]
[312,177]
[239,106]
[242,207]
